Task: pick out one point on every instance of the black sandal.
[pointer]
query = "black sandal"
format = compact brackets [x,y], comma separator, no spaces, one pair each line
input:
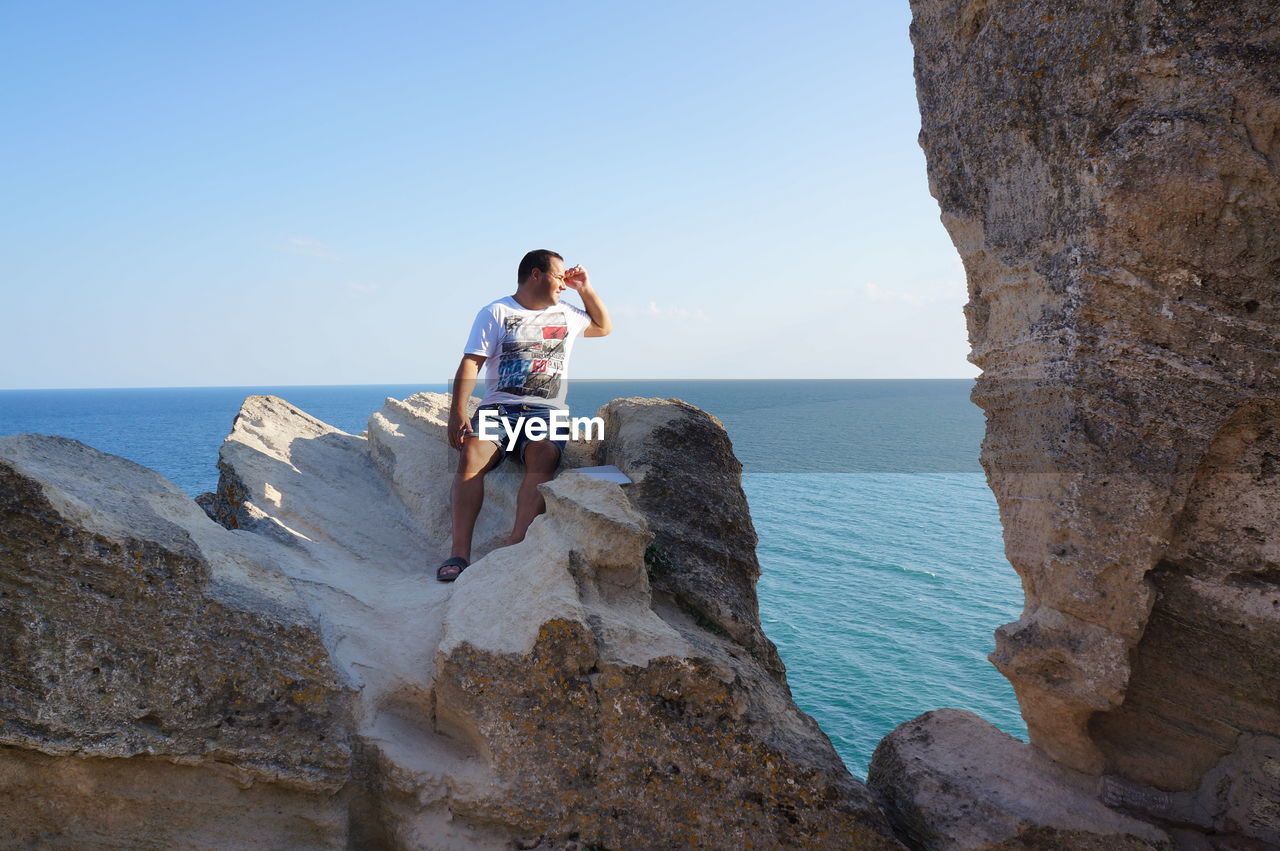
[451,569]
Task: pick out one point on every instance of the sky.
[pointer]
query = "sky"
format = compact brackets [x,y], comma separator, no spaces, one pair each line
[265,194]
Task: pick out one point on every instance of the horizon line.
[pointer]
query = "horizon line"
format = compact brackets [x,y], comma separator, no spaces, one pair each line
[446,383]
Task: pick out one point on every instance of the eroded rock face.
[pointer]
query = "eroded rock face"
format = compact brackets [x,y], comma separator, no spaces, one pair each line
[951,780]
[304,669]
[688,484]
[1108,172]
[623,724]
[137,633]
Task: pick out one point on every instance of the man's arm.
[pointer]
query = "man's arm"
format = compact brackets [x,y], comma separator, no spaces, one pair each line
[600,326]
[464,382]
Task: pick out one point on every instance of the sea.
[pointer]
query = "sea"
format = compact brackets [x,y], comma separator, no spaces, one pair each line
[883,568]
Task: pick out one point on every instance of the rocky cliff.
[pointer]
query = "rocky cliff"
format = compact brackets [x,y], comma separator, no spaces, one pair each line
[292,675]
[1108,172]
[295,677]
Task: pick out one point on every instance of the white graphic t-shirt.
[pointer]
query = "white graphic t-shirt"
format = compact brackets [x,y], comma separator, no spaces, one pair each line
[527,351]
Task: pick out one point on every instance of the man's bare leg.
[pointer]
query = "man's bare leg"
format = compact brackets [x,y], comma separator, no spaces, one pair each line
[468,491]
[541,457]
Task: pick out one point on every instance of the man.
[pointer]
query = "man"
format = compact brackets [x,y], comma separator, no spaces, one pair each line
[525,339]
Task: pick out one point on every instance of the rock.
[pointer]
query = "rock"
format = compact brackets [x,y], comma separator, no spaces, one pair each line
[548,698]
[158,802]
[1108,173]
[688,484]
[951,780]
[149,649]
[619,723]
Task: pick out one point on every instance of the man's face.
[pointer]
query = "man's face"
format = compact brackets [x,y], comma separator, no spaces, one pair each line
[555,279]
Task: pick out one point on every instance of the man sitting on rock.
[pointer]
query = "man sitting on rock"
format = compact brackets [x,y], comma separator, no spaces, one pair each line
[525,339]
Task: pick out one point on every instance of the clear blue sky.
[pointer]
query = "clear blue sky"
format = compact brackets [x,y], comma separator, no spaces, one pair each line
[325,193]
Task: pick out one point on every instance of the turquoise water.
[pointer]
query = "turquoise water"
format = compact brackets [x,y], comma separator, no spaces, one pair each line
[881,591]
[883,568]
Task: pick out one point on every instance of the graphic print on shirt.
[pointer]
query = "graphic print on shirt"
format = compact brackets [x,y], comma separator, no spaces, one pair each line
[532,358]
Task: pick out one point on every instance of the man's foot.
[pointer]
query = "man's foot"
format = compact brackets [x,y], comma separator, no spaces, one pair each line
[451,569]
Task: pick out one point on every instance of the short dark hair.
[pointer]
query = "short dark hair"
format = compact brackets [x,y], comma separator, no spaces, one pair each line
[540,260]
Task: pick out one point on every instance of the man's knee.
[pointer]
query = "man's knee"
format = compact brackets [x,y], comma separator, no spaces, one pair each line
[476,457]
[541,456]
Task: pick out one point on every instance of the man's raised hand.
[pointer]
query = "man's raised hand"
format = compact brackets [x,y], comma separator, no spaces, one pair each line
[577,278]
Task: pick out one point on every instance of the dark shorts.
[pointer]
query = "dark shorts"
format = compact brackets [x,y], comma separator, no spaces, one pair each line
[516,415]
